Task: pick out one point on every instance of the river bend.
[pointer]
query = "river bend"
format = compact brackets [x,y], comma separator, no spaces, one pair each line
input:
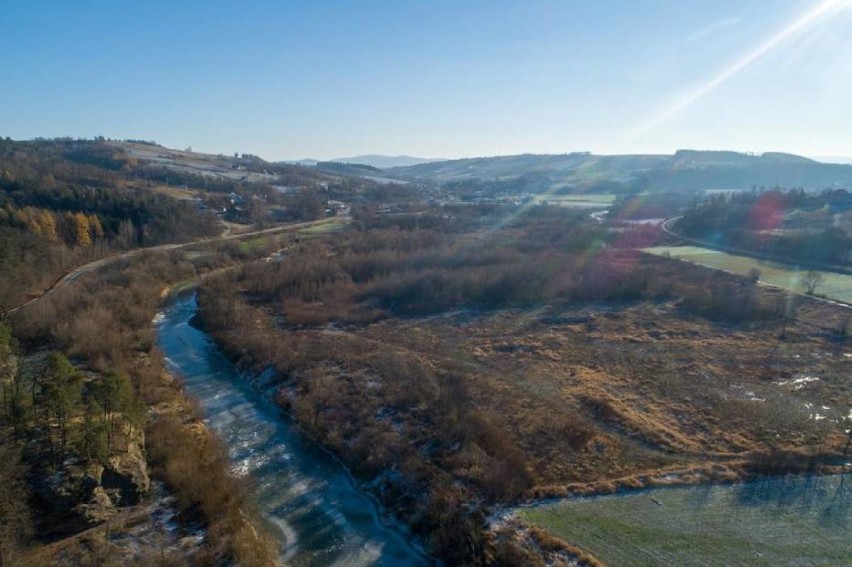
[314,508]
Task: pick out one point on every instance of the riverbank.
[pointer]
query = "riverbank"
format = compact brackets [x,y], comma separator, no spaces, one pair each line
[102,321]
[314,509]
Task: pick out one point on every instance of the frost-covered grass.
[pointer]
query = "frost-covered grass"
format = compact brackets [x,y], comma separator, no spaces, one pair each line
[779,521]
[833,286]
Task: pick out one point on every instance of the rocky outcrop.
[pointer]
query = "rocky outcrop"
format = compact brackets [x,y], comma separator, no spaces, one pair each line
[125,478]
[83,495]
[99,508]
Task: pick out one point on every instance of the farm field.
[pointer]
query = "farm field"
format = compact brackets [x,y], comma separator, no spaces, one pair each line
[333,224]
[833,286]
[777,521]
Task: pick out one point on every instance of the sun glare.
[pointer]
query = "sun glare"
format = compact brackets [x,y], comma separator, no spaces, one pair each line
[818,13]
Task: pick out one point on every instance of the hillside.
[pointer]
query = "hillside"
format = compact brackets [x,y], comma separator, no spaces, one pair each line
[237,168]
[386,162]
[686,169]
[89,233]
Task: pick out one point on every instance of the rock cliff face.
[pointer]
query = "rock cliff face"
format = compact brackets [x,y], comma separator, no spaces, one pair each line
[83,495]
[125,479]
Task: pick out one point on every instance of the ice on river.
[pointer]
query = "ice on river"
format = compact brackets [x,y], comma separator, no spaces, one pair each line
[308,498]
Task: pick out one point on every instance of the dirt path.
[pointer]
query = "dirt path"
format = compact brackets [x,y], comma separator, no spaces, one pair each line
[226,235]
[51,550]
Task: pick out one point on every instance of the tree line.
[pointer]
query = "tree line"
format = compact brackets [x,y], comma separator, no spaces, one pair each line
[791,225]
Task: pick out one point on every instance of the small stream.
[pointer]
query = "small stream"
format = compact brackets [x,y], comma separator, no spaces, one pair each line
[316,511]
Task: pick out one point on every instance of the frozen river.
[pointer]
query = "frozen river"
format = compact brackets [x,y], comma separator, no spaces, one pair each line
[316,511]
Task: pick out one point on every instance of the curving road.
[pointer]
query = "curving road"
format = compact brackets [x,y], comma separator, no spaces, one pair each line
[226,235]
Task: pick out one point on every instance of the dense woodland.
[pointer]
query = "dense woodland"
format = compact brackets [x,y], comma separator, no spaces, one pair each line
[66,202]
[429,263]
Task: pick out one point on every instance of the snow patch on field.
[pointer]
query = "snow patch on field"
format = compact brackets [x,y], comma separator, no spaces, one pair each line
[752,397]
[815,415]
[800,382]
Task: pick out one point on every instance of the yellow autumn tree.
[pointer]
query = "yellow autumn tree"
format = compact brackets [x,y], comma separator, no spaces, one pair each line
[96,229]
[29,217]
[47,223]
[21,218]
[81,230]
[38,221]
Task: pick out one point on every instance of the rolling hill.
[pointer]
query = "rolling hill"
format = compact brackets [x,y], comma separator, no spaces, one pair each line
[686,169]
[385,162]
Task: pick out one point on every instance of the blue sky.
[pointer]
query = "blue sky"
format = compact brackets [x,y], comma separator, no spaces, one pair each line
[324,79]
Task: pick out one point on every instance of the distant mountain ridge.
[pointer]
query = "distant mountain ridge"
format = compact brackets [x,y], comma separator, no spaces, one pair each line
[685,169]
[385,162]
[373,160]
[845,160]
[307,162]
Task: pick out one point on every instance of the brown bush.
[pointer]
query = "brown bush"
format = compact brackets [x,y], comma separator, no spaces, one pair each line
[196,467]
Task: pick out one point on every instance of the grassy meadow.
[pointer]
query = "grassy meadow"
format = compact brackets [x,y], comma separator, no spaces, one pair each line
[778,521]
[833,286]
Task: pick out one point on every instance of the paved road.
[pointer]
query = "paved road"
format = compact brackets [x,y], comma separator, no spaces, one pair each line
[667,227]
[227,235]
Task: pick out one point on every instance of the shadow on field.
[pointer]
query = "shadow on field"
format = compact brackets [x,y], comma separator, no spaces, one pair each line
[825,498]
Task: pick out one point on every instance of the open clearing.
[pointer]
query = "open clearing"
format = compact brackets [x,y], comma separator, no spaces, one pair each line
[833,286]
[333,224]
[777,521]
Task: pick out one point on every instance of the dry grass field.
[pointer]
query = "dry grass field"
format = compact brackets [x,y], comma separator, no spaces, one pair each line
[452,376]
[596,392]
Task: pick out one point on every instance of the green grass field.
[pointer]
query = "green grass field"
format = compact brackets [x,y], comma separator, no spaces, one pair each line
[253,244]
[331,225]
[834,286]
[772,522]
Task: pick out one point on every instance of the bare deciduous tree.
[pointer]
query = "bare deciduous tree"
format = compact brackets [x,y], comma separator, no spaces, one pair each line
[811,280]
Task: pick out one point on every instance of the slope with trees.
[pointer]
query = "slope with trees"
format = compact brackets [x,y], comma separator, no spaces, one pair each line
[686,170]
[810,229]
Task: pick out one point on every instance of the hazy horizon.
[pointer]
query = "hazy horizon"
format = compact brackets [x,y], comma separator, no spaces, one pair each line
[295,80]
[841,160]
